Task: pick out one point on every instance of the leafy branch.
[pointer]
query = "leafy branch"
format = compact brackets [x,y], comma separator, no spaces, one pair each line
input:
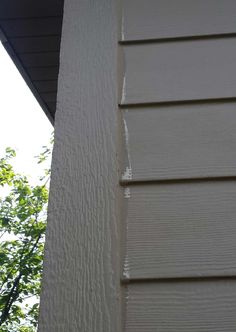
[22,231]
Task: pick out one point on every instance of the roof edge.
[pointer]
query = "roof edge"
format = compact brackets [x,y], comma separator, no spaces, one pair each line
[24,74]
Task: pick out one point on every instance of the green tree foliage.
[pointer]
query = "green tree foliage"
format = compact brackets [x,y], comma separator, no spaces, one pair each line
[22,232]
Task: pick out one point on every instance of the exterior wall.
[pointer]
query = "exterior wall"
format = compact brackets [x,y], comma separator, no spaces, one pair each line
[81,279]
[177,100]
[141,231]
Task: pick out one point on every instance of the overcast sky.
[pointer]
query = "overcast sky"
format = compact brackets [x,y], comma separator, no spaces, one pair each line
[23,124]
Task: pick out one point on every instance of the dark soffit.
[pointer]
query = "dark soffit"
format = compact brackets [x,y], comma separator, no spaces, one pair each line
[31,33]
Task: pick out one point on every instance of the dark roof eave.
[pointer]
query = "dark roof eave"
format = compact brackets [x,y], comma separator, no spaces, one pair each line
[30,32]
[25,76]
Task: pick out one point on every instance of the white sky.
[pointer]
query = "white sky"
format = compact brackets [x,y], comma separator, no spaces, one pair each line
[23,124]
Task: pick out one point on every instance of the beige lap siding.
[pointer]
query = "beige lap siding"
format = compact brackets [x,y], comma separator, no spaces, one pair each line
[178,166]
[180,142]
[157,19]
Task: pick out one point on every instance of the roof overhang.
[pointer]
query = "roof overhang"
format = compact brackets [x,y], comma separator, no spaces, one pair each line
[31,33]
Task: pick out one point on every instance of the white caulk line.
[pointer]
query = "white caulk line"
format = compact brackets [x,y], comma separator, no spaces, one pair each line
[123,96]
[126,274]
[122,26]
[127,192]
[127,175]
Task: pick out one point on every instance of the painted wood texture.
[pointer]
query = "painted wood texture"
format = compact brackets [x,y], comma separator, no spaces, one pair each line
[184,141]
[81,272]
[183,70]
[180,230]
[186,306]
[151,19]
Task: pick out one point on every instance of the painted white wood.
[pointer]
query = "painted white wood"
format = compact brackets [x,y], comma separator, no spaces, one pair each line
[184,141]
[180,230]
[81,287]
[183,70]
[185,306]
[151,19]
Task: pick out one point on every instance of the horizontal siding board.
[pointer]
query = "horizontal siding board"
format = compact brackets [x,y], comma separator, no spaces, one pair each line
[194,306]
[180,230]
[181,141]
[151,19]
[32,27]
[176,71]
